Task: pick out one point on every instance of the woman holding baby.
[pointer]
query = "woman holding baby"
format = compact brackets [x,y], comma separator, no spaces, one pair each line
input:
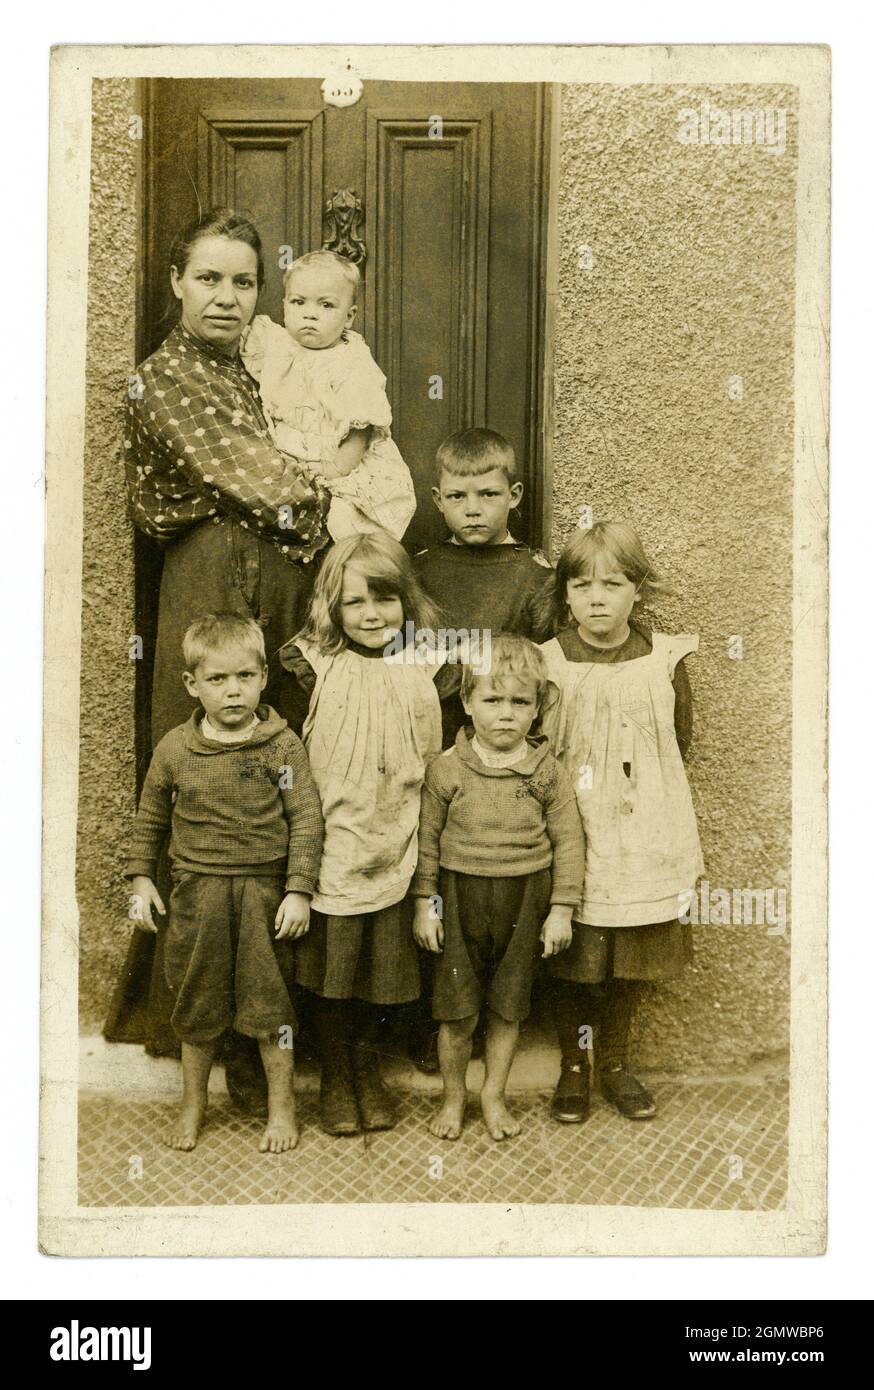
[244,516]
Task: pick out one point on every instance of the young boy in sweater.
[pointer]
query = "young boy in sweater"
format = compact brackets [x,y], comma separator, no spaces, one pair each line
[480,577]
[234,788]
[500,869]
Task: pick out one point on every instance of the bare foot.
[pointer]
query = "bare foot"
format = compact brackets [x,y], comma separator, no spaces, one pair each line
[449,1120]
[499,1122]
[281,1131]
[183,1133]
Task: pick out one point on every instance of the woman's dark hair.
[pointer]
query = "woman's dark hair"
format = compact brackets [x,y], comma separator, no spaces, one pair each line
[217,222]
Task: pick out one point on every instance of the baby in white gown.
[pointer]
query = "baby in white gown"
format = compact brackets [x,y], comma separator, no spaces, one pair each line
[324,398]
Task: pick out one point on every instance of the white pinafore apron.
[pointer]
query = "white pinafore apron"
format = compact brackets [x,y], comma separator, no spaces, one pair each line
[372,727]
[613,730]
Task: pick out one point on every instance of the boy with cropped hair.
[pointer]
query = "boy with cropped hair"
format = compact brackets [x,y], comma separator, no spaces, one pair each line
[480,576]
[234,789]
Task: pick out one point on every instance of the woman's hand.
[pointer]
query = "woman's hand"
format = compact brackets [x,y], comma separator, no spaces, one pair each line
[144,897]
[293,917]
[557,932]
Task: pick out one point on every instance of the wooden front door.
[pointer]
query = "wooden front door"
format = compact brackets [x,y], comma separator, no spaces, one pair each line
[451,182]
[450,179]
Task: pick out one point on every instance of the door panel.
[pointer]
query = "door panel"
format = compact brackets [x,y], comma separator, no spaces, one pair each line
[425,291]
[273,168]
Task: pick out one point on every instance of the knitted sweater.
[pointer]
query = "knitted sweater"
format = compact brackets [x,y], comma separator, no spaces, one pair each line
[245,808]
[500,822]
[483,586]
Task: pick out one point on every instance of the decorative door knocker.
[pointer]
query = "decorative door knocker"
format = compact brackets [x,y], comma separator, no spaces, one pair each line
[344,214]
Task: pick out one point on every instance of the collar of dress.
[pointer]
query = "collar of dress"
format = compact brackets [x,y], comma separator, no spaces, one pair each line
[207,349]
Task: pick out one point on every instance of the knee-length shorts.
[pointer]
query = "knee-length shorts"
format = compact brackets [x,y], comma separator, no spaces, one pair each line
[491,943]
[223,964]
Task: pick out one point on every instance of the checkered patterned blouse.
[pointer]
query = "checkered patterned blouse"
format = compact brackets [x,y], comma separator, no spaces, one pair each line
[196,447]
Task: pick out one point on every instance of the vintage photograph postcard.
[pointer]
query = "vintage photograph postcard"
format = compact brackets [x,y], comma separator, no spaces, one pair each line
[435,651]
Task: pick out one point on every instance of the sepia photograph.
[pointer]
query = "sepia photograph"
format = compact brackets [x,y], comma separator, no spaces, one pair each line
[437,518]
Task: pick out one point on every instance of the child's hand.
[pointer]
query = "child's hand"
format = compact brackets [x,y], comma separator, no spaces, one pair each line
[557,932]
[427,926]
[293,917]
[145,896]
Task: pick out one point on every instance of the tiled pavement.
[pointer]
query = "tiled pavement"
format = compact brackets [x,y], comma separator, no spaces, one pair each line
[715,1144]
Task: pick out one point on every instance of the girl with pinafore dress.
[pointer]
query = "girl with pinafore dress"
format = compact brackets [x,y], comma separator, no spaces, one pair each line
[621,727]
[370,709]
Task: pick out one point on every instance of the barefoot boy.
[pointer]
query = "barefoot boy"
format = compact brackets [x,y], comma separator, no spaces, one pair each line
[500,868]
[234,788]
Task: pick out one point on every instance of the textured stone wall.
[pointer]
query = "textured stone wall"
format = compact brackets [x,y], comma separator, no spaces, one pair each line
[107,786]
[691,284]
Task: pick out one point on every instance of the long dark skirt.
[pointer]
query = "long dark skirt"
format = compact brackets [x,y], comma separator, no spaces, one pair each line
[217,567]
[371,956]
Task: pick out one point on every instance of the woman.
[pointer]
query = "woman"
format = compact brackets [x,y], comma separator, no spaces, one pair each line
[241,527]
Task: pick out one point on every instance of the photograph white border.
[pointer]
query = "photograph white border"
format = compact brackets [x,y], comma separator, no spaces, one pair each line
[425,1229]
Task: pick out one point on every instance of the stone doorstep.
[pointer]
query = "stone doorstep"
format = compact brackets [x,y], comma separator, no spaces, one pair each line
[125,1069]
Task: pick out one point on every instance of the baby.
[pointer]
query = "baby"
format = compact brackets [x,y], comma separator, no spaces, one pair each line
[324,398]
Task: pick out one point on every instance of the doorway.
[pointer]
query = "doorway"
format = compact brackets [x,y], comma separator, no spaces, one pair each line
[438,191]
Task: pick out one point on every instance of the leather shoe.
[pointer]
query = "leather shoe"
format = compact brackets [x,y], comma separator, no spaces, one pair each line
[628,1095]
[570,1101]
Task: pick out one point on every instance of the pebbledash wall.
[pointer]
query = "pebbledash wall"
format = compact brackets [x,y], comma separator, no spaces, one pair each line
[107,771]
[672,373]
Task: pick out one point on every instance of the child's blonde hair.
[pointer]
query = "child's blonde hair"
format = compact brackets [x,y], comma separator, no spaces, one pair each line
[385,566]
[339,264]
[468,453]
[215,632]
[510,655]
[614,541]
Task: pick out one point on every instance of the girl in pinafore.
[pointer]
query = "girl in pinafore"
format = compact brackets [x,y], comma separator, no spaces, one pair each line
[621,728]
[373,722]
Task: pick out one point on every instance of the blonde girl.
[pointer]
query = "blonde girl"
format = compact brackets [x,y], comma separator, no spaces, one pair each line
[373,720]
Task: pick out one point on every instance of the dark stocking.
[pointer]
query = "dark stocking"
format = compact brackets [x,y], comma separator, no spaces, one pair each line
[574,1006]
[337,1105]
[332,1029]
[618,1085]
[620,1002]
[375,1102]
